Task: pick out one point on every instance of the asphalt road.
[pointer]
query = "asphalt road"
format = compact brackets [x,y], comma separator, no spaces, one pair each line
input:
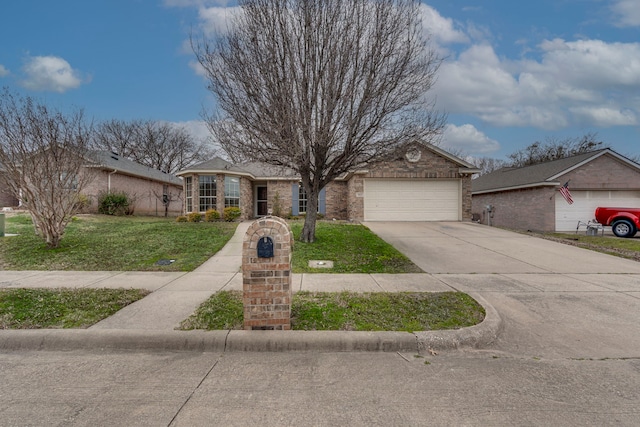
[568,355]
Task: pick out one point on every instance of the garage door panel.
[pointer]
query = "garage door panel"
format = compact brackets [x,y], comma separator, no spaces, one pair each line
[585,204]
[403,200]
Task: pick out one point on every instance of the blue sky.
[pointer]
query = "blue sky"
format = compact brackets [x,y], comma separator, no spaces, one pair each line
[515,71]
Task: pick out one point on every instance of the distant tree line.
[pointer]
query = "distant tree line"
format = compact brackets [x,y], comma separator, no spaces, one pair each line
[539,152]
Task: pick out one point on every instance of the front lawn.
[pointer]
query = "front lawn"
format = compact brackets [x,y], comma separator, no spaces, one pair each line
[349,311]
[625,248]
[353,248]
[110,243]
[61,308]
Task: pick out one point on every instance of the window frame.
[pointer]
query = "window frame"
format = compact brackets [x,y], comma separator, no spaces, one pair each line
[232,191]
[188,188]
[207,192]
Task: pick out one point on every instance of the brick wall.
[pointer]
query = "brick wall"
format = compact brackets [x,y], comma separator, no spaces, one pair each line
[283,190]
[147,194]
[266,282]
[336,194]
[7,198]
[604,173]
[246,199]
[528,209]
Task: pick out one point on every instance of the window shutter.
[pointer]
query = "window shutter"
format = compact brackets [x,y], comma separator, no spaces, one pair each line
[295,207]
[322,202]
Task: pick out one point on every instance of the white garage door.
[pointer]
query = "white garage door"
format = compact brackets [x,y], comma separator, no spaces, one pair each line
[585,204]
[411,200]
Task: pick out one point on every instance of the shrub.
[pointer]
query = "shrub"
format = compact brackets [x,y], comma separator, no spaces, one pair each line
[116,203]
[181,218]
[82,203]
[232,213]
[194,217]
[211,215]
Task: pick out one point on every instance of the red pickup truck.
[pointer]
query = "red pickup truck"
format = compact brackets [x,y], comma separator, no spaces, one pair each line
[624,222]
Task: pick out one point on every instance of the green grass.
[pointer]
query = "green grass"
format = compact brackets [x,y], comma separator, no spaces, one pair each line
[626,248]
[348,311]
[61,308]
[352,248]
[109,243]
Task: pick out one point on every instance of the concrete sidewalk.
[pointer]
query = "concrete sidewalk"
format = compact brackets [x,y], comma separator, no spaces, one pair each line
[152,321]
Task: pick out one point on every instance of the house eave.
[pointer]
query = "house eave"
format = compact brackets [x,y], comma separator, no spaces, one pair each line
[216,172]
[129,173]
[517,187]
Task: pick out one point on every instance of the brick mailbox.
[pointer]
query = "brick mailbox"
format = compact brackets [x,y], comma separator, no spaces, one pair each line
[266,275]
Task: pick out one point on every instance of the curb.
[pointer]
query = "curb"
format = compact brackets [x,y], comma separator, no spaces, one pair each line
[476,336]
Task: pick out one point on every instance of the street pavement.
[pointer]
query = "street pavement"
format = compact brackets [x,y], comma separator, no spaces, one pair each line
[566,350]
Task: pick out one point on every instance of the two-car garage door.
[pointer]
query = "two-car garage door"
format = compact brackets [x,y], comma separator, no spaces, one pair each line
[412,200]
[585,204]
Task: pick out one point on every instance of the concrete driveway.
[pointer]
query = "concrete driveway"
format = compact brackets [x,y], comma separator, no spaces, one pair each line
[555,300]
[462,247]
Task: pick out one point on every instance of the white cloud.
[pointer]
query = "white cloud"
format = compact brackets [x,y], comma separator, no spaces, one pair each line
[3,71]
[440,28]
[606,116]
[215,19]
[197,128]
[467,139]
[627,12]
[50,73]
[577,82]
[194,3]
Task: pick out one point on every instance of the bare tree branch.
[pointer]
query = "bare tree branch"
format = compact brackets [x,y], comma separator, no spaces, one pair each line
[158,145]
[43,153]
[321,86]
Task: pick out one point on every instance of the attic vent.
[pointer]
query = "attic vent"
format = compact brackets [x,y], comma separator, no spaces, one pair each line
[114,156]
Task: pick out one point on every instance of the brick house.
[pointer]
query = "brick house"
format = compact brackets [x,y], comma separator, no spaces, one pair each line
[527,198]
[421,183]
[146,186]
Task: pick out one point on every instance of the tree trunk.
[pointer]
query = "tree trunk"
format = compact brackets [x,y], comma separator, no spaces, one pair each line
[309,229]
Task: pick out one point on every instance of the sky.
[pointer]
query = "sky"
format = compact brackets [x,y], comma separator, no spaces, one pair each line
[514,72]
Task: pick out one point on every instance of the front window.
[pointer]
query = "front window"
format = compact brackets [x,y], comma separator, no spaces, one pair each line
[231,191]
[188,184]
[302,199]
[207,185]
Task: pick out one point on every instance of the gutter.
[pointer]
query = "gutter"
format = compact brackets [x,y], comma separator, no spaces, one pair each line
[109,180]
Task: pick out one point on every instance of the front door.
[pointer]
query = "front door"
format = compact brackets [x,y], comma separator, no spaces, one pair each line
[262,208]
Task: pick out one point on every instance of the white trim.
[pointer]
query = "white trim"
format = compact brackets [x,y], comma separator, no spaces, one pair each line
[517,187]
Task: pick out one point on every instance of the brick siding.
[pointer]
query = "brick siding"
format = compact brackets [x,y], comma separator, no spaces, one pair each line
[528,209]
[147,194]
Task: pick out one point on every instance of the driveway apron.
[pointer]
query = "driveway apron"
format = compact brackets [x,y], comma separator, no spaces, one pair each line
[555,300]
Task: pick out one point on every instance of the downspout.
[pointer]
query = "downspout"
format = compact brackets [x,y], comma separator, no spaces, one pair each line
[109,180]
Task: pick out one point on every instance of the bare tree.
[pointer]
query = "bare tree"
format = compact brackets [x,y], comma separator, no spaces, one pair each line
[554,148]
[487,164]
[159,145]
[43,152]
[167,197]
[320,86]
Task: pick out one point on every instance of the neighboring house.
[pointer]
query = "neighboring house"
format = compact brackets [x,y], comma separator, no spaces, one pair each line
[421,183]
[528,198]
[7,198]
[147,187]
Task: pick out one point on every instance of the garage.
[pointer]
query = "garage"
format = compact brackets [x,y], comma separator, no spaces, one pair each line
[585,204]
[412,200]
